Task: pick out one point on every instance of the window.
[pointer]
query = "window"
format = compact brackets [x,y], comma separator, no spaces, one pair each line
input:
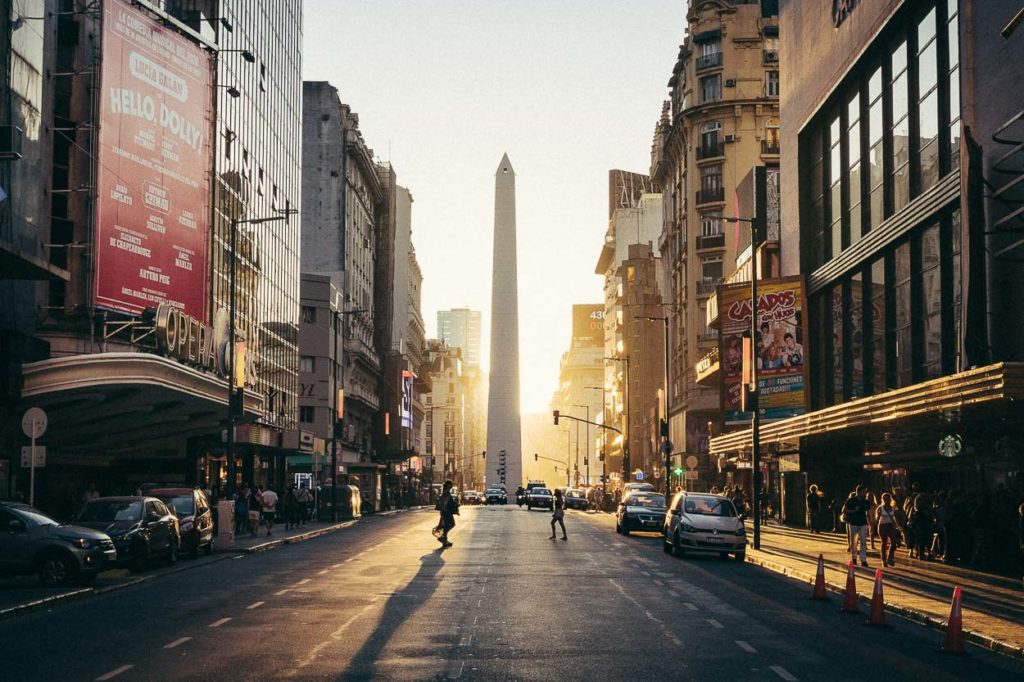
[711,269]
[307,364]
[711,88]
[710,54]
[711,224]
[855,302]
[928,102]
[931,302]
[902,301]
[835,205]
[771,84]
[876,167]
[853,177]
[771,49]
[771,136]
[953,41]
[879,382]
[711,178]
[900,129]
[838,306]
[307,414]
[710,140]
[308,314]
[815,253]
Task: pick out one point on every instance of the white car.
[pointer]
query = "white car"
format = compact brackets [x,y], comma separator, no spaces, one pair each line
[700,522]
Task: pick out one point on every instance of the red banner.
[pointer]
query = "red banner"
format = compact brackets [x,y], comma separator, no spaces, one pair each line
[153,188]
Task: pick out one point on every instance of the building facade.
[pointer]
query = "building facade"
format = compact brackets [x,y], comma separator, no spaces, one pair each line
[721,120]
[460,328]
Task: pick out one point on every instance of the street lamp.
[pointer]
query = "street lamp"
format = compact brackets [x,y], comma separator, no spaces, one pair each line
[666,444]
[756,234]
[625,432]
[338,418]
[586,454]
[233,378]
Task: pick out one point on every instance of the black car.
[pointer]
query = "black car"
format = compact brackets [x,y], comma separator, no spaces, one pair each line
[495,496]
[576,499]
[32,542]
[540,498]
[640,510]
[142,528]
[195,519]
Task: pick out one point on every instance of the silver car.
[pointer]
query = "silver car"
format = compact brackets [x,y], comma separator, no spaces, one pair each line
[700,522]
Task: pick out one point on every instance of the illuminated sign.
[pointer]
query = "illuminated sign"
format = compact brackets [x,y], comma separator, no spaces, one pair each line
[190,341]
[588,324]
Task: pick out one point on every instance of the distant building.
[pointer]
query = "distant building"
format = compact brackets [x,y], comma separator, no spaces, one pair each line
[460,328]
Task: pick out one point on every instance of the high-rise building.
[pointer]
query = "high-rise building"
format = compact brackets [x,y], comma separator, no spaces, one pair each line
[460,328]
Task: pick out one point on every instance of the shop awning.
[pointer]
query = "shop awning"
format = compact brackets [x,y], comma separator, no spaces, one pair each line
[983,387]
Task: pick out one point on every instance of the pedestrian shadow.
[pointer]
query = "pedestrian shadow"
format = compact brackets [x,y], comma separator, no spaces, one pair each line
[399,608]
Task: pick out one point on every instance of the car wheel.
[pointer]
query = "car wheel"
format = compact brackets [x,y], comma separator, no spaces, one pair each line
[56,570]
[172,553]
[665,544]
[209,547]
[618,528]
[741,556]
[677,547]
[625,530]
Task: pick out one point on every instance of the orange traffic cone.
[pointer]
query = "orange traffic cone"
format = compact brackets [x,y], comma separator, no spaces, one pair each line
[954,643]
[850,602]
[877,616]
[819,581]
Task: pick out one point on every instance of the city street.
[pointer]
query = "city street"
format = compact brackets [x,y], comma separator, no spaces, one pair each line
[381,600]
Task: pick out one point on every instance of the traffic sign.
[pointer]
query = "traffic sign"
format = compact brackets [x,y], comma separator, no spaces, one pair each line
[638,475]
[26,456]
[692,462]
[33,424]
[692,475]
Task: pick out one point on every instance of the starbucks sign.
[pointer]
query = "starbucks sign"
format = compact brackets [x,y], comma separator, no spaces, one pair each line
[951,445]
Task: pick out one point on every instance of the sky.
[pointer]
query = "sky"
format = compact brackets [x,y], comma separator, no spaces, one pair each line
[568,88]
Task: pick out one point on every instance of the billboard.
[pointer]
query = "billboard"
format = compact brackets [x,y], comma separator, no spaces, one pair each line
[588,324]
[778,348]
[405,409]
[153,187]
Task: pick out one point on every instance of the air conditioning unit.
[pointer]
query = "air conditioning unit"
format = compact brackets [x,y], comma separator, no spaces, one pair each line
[730,138]
[730,82]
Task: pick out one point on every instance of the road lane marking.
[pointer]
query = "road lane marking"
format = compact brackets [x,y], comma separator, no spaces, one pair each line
[453,670]
[302,582]
[645,573]
[746,647]
[323,572]
[331,639]
[349,559]
[676,640]
[715,624]
[115,672]
[338,565]
[673,594]
[692,607]
[177,642]
[282,592]
[466,639]
[218,623]
[783,673]
[474,619]
[255,605]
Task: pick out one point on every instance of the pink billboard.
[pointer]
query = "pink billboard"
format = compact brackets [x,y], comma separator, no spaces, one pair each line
[153,187]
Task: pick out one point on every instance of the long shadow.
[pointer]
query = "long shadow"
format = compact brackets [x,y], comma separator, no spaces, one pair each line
[400,606]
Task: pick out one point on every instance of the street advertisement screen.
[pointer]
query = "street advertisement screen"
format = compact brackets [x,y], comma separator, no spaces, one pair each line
[778,349]
[153,194]
[588,324]
[405,413]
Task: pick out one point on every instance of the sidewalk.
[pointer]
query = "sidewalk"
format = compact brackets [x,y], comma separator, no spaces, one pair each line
[993,605]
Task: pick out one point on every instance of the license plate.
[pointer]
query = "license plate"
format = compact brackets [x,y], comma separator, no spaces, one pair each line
[716,538]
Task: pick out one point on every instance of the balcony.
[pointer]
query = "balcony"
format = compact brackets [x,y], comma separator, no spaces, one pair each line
[769,147]
[710,150]
[710,241]
[707,336]
[708,61]
[710,195]
[706,287]
[771,56]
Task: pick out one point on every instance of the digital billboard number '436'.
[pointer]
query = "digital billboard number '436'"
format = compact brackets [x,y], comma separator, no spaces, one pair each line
[153,190]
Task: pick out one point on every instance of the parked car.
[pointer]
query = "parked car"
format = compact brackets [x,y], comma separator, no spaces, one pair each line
[495,496]
[539,497]
[195,518]
[640,510]
[629,487]
[576,499]
[32,542]
[472,497]
[705,523]
[142,528]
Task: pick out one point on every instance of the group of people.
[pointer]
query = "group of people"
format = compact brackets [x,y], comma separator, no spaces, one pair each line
[983,530]
[257,507]
[448,507]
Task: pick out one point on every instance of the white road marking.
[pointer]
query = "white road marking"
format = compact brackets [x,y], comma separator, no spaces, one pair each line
[281,592]
[338,565]
[323,572]
[332,638]
[645,573]
[177,642]
[466,639]
[715,624]
[474,619]
[240,556]
[255,605]
[746,647]
[659,583]
[673,594]
[115,672]
[454,670]
[676,640]
[783,673]
[302,582]
[692,607]
[218,623]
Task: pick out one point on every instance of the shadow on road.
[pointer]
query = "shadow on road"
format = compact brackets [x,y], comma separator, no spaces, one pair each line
[400,606]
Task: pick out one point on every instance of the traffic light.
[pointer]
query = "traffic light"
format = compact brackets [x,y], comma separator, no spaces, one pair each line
[585,463]
[484,454]
[664,428]
[556,417]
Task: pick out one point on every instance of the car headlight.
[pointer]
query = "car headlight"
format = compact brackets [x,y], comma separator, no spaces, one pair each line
[688,528]
[81,543]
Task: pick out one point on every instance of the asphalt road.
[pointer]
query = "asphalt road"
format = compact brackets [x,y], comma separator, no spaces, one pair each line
[381,600]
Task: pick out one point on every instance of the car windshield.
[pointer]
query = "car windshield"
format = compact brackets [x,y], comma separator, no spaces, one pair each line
[646,500]
[35,517]
[540,491]
[496,491]
[709,506]
[573,493]
[183,505]
[111,510]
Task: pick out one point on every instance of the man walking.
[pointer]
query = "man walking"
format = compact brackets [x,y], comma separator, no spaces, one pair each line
[448,508]
[268,499]
[813,508]
[855,511]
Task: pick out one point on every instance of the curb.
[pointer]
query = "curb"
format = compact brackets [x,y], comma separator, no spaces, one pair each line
[982,640]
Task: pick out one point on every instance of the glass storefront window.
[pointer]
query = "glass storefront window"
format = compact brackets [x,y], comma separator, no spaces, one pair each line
[878,324]
[837,344]
[853,178]
[856,301]
[903,314]
[931,302]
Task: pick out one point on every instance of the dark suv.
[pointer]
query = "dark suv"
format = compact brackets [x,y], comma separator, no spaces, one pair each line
[142,528]
[195,520]
[32,542]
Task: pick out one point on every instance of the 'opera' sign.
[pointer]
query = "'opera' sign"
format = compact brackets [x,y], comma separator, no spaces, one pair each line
[187,339]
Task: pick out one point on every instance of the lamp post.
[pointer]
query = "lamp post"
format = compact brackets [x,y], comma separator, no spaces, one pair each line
[666,445]
[604,483]
[755,419]
[232,376]
[586,452]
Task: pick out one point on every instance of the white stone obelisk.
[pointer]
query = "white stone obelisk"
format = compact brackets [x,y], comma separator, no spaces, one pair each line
[504,436]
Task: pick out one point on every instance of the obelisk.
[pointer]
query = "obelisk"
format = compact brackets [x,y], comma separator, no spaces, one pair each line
[504,438]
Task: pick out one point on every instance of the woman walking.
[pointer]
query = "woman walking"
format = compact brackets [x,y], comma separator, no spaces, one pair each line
[558,514]
[448,508]
[888,529]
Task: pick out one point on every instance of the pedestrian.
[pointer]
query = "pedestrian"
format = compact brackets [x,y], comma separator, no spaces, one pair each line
[241,509]
[449,508]
[872,518]
[920,524]
[254,505]
[268,500]
[303,498]
[291,508]
[558,514]
[855,512]
[813,508]
[888,529]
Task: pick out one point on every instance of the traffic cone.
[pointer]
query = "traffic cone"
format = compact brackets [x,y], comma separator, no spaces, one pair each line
[850,602]
[819,581]
[877,616]
[954,643]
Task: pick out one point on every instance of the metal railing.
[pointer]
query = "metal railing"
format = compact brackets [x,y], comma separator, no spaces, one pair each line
[710,150]
[710,194]
[706,287]
[711,241]
[769,147]
[708,61]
